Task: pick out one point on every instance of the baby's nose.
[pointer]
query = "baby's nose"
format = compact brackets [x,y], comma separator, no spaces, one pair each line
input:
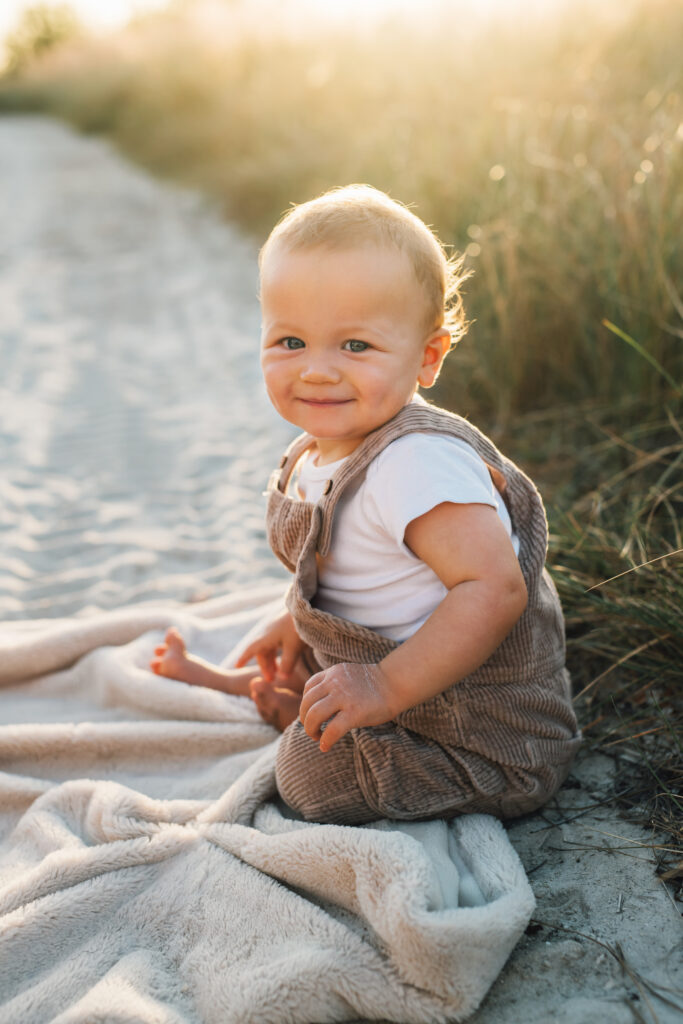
[320,371]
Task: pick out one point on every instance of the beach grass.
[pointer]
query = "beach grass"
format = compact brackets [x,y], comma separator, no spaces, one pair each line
[552,155]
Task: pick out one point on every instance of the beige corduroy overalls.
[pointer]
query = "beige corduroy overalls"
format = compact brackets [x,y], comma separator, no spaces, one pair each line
[499,741]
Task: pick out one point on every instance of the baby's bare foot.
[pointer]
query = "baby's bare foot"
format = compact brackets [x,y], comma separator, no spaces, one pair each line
[171,658]
[277,705]
[296,680]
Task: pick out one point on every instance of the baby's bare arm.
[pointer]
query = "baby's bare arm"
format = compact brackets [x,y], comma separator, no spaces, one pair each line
[468,547]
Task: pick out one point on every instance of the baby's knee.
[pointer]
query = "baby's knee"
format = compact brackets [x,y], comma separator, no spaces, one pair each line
[320,787]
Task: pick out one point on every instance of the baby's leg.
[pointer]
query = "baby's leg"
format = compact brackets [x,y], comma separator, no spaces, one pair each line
[172,660]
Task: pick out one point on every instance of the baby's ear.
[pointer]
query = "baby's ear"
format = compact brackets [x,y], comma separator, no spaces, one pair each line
[435,348]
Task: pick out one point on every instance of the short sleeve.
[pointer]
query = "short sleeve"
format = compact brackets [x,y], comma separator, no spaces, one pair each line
[417,472]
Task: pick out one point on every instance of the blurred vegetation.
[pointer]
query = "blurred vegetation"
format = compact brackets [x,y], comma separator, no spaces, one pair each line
[40,28]
[552,152]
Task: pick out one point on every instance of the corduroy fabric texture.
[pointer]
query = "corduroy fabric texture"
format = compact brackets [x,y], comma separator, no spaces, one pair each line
[499,741]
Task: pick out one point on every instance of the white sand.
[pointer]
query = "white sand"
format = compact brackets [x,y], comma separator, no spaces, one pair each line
[136,440]
[136,435]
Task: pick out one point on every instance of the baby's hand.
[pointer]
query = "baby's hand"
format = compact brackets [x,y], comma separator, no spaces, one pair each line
[279,637]
[345,697]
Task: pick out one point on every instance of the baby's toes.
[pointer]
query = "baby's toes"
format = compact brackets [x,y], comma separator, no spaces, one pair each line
[155,665]
[258,688]
[175,640]
[261,693]
[161,650]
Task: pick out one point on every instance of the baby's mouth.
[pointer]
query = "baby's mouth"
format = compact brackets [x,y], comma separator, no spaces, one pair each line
[325,401]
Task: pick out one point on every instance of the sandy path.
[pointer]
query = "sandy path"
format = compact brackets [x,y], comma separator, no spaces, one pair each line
[129,384]
[130,470]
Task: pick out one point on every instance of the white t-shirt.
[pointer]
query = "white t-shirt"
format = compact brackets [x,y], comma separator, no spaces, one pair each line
[370,576]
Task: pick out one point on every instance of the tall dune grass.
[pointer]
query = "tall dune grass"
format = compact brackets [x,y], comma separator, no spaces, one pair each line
[552,153]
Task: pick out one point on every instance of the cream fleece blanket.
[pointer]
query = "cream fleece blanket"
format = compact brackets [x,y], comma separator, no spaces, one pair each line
[149,872]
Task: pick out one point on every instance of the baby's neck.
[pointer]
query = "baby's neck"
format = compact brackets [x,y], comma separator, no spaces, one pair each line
[326,451]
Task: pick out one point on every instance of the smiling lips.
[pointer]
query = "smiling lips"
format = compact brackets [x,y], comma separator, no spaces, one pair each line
[325,401]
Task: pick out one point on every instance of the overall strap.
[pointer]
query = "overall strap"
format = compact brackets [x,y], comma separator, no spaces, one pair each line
[280,477]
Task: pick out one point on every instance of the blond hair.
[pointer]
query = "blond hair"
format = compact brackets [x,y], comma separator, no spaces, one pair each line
[353,214]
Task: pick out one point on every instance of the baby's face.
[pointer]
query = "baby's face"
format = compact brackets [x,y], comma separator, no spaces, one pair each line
[344,341]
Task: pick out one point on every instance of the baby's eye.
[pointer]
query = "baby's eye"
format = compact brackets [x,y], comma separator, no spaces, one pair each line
[354,345]
[292,343]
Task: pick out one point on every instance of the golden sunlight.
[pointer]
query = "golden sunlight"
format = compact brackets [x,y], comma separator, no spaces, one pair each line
[99,14]
[112,14]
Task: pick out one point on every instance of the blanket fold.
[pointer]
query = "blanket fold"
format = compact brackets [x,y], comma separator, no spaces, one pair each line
[149,872]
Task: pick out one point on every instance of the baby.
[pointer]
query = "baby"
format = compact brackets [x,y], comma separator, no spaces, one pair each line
[418,670]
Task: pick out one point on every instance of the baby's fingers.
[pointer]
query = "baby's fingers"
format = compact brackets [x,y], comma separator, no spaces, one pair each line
[247,654]
[315,718]
[336,727]
[264,658]
[266,662]
[288,658]
[309,696]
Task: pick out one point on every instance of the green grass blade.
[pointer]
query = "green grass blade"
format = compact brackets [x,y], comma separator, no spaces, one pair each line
[643,352]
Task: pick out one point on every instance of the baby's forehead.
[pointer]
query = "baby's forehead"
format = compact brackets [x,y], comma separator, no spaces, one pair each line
[282,259]
[357,280]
